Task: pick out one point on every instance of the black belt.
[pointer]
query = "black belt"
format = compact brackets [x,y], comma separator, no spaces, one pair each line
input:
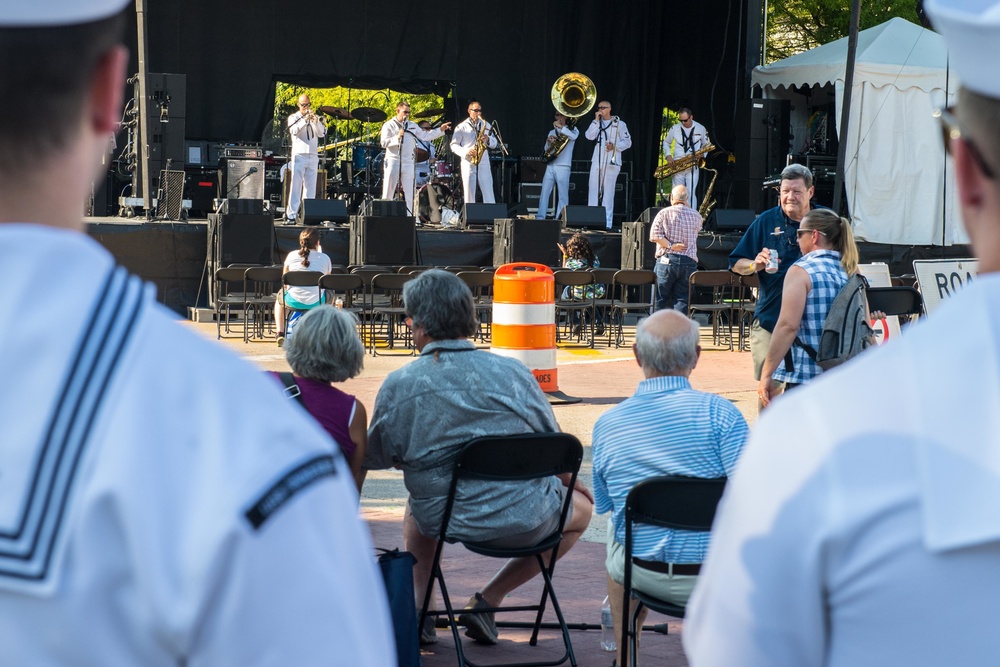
[668,568]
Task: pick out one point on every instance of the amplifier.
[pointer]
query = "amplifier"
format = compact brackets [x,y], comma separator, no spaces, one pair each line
[532,168]
[241,152]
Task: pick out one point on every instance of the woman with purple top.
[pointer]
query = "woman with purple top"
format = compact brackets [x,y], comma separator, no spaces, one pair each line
[326,349]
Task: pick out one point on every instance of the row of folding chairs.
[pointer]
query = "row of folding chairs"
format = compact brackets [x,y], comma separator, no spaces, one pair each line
[582,317]
[729,299]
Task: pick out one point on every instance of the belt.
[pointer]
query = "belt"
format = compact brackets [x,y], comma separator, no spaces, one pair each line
[668,568]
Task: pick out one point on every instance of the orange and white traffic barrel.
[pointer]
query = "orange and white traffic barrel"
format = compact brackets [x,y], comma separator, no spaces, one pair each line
[524,319]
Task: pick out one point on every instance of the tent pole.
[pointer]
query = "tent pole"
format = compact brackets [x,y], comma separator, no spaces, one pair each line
[845,114]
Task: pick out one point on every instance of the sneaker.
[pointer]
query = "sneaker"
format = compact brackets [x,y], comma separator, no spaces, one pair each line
[479,626]
[428,634]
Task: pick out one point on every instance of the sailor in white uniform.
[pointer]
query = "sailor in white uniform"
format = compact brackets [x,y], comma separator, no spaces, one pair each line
[306,129]
[462,142]
[612,137]
[682,139]
[557,171]
[150,512]
[399,137]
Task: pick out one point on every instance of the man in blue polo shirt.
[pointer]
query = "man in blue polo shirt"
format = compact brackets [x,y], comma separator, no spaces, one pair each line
[665,428]
[774,229]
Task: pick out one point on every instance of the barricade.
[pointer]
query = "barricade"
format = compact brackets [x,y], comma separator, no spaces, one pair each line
[524,319]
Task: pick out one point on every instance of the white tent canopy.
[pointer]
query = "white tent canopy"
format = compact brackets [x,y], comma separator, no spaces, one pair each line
[900,185]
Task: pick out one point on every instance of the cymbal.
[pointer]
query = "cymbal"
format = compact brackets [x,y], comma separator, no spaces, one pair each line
[369,114]
[337,112]
[429,113]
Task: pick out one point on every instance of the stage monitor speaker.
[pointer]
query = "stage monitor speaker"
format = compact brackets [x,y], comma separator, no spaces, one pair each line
[650,213]
[733,219]
[585,217]
[387,208]
[390,241]
[638,252]
[482,215]
[238,239]
[243,207]
[532,169]
[242,179]
[520,240]
[316,211]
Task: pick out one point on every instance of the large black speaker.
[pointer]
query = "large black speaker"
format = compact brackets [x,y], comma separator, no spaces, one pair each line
[638,252]
[585,217]
[763,137]
[732,220]
[532,169]
[389,241]
[650,213]
[530,192]
[200,187]
[520,240]
[386,208]
[482,215]
[316,211]
[579,186]
[241,179]
[239,239]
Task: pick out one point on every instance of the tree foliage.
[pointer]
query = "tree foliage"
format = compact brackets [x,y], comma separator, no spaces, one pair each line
[794,26]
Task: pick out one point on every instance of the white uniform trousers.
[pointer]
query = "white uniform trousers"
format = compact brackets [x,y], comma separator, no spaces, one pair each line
[608,198]
[304,169]
[480,174]
[689,179]
[391,175]
[555,175]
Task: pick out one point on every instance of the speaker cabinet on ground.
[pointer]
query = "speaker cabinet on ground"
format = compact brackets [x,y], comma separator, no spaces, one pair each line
[585,217]
[482,215]
[390,241]
[520,240]
[529,194]
[650,213]
[238,239]
[387,208]
[316,211]
[241,179]
[638,252]
[732,219]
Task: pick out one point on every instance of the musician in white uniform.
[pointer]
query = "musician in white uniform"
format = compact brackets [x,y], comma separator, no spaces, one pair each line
[399,137]
[557,171]
[150,513]
[682,139]
[612,137]
[306,129]
[422,168]
[462,143]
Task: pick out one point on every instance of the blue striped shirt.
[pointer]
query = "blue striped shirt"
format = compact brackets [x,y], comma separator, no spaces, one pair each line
[826,277]
[666,428]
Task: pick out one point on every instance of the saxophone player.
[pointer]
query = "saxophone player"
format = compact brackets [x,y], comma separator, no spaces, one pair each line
[684,138]
[611,136]
[471,141]
[557,171]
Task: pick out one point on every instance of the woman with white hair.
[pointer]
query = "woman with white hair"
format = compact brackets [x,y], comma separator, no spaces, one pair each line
[326,349]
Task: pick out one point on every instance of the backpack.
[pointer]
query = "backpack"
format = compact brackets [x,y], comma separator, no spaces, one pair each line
[846,331]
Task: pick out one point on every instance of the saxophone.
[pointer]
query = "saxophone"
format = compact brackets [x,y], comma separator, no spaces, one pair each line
[707,203]
[683,163]
[480,146]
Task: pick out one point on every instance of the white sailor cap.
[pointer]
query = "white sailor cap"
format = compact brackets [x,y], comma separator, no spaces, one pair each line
[52,13]
[971,29]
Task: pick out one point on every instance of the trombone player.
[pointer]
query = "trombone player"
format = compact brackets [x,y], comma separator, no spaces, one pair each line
[684,138]
[557,171]
[471,141]
[612,137]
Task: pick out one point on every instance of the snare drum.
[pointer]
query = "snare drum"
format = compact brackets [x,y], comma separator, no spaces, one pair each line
[441,171]
[431,199]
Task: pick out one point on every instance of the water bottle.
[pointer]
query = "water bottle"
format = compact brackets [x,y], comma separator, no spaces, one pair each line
[608,642]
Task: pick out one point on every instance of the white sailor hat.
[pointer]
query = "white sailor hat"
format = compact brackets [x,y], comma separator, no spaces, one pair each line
[52,13]
[971,29]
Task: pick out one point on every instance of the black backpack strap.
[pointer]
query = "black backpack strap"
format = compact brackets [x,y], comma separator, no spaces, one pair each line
[291,387]
[810,350]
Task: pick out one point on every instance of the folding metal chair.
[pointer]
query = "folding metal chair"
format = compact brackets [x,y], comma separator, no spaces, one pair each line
[624,281]
[579,312]
[721,287]
[260,287]
[228,283]
[506,459]
[386,311]
[481,285]
[671,501]
[602,305]
[299,279]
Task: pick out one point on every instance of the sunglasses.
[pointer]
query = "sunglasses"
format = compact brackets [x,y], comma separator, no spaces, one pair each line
[799,233]
[951,130]
[603,107]
[684,120]
[476,110]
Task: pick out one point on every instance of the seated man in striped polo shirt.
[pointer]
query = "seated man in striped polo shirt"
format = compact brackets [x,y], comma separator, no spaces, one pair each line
[665,428]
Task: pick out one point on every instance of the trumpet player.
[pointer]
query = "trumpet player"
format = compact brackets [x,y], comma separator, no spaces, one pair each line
[612,137]
[471,140]
[306,129]
[684,138]
[557,171]
[399,139]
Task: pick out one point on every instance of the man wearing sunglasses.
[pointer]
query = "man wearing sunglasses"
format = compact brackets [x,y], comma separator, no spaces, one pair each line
[683,138]
[306,129]
[468,134]
[611,136]
[865,503]
[399,139]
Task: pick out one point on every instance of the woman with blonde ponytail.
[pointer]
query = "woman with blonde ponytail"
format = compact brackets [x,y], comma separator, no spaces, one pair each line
[829,257]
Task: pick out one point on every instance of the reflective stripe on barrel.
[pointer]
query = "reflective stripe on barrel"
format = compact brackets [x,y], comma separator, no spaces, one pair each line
[524,326]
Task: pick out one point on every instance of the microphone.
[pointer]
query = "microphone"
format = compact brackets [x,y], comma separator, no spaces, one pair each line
[253,170]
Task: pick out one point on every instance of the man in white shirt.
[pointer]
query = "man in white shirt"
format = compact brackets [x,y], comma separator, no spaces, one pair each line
[399,139]
[684,138]
[424,157]
[150,513]
[463,144]
[860,528]
[557,171]
[306,129]
[612,137]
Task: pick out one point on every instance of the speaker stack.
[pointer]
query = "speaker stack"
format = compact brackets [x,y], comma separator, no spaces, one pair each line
[389,241]
[238,239]
[520,240]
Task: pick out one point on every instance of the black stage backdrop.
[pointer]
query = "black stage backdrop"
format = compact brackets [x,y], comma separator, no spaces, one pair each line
[641,54]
